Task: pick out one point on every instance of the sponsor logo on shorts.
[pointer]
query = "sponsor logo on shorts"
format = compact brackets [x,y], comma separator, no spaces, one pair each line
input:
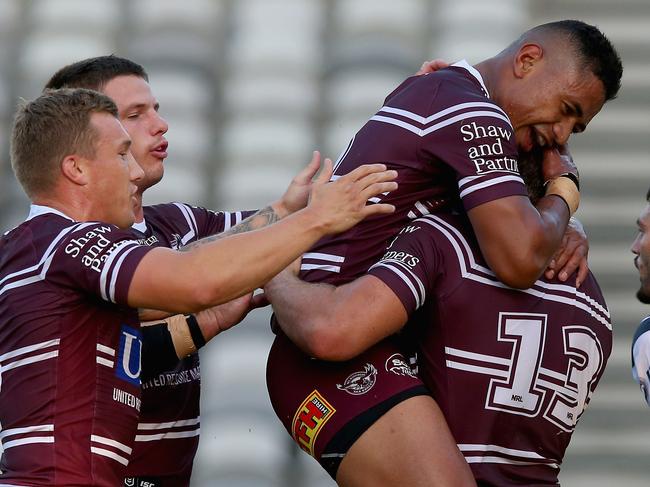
[398,366]
[309,419]
[359,382]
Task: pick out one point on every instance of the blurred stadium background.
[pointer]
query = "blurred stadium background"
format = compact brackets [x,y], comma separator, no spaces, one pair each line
[250,87]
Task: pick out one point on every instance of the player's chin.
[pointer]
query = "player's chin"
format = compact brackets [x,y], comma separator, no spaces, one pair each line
[643,295]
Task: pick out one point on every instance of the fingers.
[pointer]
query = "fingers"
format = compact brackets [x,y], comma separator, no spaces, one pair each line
[326,172]
[576,261]
[549,273]
[432,66]
[370,180]
[583,272]
[562,256]
[309,171]
[376,183]
[363,171]
[259,301]
[555,163]
[573,254]
[378,209]
[551,162]
[376,189]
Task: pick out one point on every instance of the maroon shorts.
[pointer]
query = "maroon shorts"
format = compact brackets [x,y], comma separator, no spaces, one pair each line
[327,406]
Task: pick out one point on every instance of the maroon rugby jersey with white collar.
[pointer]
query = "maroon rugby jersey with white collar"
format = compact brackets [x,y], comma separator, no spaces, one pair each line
[447,140]
[169,426]
[69,352]
[512,370]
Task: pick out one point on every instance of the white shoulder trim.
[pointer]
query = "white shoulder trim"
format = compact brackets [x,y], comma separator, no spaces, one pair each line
[38,210]
[474,72]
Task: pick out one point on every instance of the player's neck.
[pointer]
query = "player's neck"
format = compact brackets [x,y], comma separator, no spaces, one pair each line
[137,208]
[69,208]
[489,73]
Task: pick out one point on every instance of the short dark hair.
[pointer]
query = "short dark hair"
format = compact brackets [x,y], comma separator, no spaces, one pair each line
[51,127]
[595,50]
[647,196]
[94,73]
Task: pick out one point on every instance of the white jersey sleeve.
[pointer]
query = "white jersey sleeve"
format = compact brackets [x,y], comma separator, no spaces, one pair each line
[641,358]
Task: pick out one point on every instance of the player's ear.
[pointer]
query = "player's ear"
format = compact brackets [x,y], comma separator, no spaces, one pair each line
[75,169]
[526,59]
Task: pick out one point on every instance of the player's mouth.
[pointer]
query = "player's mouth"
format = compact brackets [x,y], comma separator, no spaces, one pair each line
[160,150]
[533,140]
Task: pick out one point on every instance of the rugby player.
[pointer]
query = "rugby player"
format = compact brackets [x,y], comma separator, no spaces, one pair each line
[169,427]
[641,341]
[512,370]
[454,137]
[72,277]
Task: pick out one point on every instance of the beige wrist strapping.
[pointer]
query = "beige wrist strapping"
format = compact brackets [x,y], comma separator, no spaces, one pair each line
[566,189]
[181,336]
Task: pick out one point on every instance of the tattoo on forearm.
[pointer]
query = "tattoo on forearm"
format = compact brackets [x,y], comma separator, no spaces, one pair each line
[261,219]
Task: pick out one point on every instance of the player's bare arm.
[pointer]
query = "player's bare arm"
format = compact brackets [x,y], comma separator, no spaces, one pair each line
[179,336]
[518,239]
[335,323]
[218,270]
[572,254]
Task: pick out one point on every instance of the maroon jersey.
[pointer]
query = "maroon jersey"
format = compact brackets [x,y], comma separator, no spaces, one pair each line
[512,370]
[447,141]
[450,145]
[169,427]
[69,351]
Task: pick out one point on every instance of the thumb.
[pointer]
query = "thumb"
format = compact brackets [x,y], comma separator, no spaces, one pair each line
[259,301]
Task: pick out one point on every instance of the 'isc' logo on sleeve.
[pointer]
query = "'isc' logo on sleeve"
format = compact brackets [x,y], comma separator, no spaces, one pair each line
[309,419]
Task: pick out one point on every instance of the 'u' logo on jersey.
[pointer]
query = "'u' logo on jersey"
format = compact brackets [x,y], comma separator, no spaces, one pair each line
[128,365]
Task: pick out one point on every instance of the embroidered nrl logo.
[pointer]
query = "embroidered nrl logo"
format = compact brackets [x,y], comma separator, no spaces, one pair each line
[359,382]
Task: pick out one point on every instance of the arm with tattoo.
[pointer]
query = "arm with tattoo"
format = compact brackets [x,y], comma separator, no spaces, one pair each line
[266,216]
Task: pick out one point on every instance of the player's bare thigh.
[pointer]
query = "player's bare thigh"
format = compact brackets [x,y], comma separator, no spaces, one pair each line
[410,445]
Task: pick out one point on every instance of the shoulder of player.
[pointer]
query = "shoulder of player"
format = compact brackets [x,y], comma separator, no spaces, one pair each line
[643,328]
[591,288]
[174,209]
[92,238]
[54,231]
[440,231]
[441,99]
[166,210]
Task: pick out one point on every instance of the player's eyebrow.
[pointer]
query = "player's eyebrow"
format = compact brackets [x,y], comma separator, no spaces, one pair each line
[126,143]
[577,108]
[135,106]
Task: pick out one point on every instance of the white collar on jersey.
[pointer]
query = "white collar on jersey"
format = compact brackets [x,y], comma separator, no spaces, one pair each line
[140,226]
[38,210]
[474,72]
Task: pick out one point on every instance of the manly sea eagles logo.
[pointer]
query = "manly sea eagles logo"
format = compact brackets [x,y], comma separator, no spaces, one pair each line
[359,382]
[398,366]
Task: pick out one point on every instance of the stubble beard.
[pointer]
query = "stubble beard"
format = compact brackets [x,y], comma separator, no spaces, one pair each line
[642,296]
